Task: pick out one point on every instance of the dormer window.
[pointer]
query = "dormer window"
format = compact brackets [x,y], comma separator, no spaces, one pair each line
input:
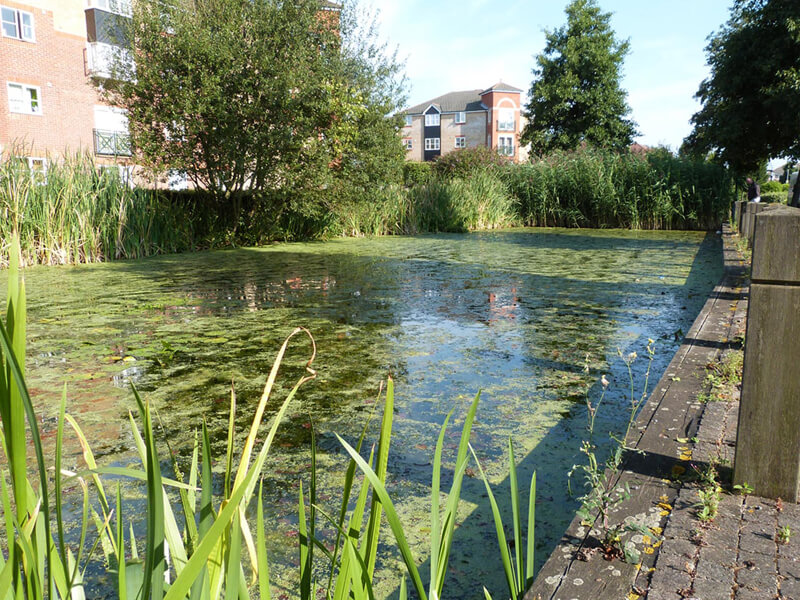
[432,120]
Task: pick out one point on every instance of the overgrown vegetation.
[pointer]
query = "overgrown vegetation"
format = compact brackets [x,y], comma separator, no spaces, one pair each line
[77,214]
[602,480]
[593,188]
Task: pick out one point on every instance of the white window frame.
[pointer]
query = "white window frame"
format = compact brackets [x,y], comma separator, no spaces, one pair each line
[502,124]
[433,143]
[29,109]
[408,143]
[408,120]
[19,24]
[38,171]
[505,145]
[119,7]
[461,141]
[461,117]
[433,120]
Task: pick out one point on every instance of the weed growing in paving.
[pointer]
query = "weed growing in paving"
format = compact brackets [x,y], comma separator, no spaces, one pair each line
[784,534]
[601,481]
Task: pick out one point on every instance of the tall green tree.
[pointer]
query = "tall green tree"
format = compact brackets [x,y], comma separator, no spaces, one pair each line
[575,97]
[269,97]
[751,100]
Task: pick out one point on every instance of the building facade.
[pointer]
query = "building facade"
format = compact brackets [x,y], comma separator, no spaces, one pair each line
[491,118]
[51,53]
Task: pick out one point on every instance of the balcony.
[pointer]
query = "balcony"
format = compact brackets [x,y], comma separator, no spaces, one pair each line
[112,143]
[106,60]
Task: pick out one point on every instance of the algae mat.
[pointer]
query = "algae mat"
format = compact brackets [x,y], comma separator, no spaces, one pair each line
[532,318]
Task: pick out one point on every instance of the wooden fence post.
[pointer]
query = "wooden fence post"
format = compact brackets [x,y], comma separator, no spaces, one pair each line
[768,437]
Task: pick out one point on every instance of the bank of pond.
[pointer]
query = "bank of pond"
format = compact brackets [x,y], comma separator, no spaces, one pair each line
[75,213]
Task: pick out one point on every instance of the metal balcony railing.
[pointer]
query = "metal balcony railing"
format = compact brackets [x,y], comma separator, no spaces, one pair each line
[111,143]
[102,59]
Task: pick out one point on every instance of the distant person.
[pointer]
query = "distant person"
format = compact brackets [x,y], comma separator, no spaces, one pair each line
[794,194]
[753,191]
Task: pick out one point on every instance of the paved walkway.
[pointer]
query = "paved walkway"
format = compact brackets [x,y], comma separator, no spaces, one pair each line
[737,555]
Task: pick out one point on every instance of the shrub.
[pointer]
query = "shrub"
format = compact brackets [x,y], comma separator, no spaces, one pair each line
[415,173]
[774,186]
[773,197]
[468,161]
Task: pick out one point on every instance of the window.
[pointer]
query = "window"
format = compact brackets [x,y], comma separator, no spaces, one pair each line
[111,132]
[461,142]
[432,120]
[38,168]
[432,143]
[505,145]
[121,7]
[461,117]
[408,143]
[24,99]
[17,24]
[505,119]
[409,120]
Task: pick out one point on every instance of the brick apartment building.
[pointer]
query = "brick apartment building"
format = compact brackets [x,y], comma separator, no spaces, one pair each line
[490,118]
[50,50]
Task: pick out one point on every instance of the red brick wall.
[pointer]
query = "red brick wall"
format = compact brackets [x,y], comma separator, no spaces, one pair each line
[54,63]
[494,100]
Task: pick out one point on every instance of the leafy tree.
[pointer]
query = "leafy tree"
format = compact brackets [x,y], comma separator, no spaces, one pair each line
[272,98]
[575,97]
[751,100]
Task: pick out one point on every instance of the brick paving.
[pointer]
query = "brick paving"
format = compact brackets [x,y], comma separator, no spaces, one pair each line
[738,555]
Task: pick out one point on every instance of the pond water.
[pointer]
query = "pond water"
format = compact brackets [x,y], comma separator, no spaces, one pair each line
[516,314]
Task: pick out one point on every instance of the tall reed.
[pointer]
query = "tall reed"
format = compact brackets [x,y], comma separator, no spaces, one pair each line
[75,213]
[595,188]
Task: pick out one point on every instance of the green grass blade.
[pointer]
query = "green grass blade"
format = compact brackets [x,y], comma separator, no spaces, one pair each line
[208,541]
[206,483]
[20,390]
[122,586]
[370,548]
[403,590]
[435,492]
[501,536]
[516,516]
[455,494]
[261,545]
[229,448]
[232,579]
[356,571]
[391,517]
[57,476]
[154,546]
[346,492]
[531,533]
[88,458]
[305,567]
[342,589]
[251,438]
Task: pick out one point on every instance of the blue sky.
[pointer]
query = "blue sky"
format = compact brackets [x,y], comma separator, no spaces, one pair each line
[454,45]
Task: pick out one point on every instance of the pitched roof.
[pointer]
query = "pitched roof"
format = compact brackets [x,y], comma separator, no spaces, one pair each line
[453,102]
[501,87]
[468,100]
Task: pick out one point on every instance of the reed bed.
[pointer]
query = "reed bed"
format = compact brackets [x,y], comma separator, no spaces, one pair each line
[75,213]
[593,188]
